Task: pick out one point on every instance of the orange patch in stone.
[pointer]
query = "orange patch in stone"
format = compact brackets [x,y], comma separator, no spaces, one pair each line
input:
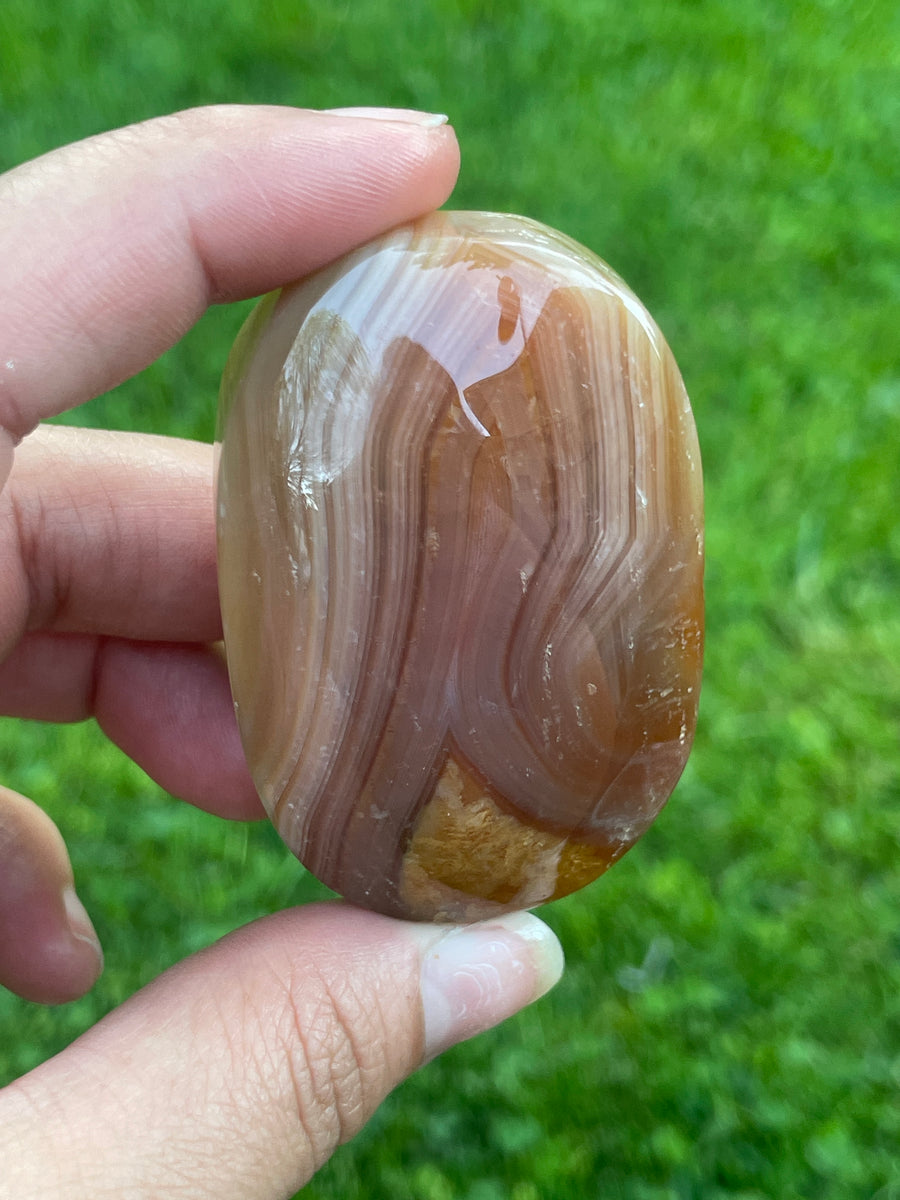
[465,850]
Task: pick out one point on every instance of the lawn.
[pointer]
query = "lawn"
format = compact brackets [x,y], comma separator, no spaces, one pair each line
[729,1024]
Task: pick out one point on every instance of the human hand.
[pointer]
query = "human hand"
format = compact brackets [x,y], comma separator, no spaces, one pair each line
[237,1072]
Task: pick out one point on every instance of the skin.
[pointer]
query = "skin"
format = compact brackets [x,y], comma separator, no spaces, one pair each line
[237,1072]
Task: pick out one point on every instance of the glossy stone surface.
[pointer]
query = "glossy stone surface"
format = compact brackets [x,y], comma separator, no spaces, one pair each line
[460,518]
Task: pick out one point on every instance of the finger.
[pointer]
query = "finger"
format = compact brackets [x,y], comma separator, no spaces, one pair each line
[167,706]
[114,533]
[113,247]
[109,533]
[254,1060]
[49,951]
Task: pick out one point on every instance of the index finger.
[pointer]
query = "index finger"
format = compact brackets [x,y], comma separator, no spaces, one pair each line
[113,247]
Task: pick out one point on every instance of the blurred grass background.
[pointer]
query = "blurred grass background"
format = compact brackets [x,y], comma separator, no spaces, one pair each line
[729,1025]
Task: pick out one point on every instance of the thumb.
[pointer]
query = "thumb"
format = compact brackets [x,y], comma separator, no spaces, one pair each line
[238,1072]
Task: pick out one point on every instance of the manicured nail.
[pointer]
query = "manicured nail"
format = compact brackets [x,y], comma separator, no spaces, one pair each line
[477,975]
[80,925]
[409,116]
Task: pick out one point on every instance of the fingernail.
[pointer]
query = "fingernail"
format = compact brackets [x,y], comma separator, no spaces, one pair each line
[477,975]
[409,116]
[80,925]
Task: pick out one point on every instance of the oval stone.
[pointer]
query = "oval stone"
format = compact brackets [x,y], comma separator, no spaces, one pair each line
[461,561]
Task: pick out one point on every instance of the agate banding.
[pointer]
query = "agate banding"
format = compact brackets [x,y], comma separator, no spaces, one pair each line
[461,554]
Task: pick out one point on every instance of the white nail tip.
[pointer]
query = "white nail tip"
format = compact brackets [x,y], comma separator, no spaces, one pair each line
[475,976]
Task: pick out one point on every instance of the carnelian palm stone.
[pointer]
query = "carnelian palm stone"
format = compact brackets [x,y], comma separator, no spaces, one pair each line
[461,559]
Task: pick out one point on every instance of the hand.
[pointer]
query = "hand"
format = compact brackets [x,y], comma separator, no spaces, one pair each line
[239,1071]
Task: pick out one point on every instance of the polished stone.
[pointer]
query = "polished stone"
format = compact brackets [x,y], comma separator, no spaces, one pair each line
[461,558]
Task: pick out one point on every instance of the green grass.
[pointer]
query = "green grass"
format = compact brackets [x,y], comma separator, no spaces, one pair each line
[729,1025]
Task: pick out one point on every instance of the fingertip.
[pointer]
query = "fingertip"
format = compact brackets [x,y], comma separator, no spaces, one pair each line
[166,217]
[53,955]
[72,960]
[49,951]
[311,185]
[343,179]
[544,949]
[476,976]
